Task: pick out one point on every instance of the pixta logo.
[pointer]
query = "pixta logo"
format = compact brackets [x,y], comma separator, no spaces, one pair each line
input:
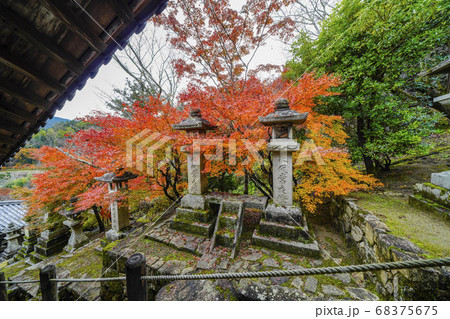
[141,151]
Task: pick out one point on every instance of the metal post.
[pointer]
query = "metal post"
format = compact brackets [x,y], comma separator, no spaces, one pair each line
[3,292]
[48,288]
[135,268]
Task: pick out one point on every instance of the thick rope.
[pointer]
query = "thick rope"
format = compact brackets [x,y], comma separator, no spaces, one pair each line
[310,271]
[20,282]
[276,273]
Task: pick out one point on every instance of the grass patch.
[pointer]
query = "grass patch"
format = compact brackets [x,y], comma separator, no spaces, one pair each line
[424,229]
[84,262]
[13,269]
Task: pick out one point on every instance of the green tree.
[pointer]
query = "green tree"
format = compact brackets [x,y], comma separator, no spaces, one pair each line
[378,47]
[56,135]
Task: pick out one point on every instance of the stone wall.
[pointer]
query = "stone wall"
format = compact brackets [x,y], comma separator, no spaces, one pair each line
[374,243]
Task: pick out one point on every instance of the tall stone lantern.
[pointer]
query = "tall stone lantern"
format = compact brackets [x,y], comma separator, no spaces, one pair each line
[282,145]
[12,238]
[197,181]
[119,210]
[283,226]
[74,222]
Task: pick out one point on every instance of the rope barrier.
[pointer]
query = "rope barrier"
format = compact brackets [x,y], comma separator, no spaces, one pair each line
[19,282]
[276,273]
[310,271]
[88,279]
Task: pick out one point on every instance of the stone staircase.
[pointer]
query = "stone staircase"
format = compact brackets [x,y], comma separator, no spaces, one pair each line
[194,216]
[198,222]
[229,224]
[435,196]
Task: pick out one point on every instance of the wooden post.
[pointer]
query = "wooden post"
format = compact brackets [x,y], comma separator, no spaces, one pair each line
[135,268]
[3,291]
[48,288]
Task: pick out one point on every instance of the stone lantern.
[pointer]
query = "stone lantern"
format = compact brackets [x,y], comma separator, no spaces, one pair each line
[282,145]
[12,239]
[74,222]
[119,211]
[197,181]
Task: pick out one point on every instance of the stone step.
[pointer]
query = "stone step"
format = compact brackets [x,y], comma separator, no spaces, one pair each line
[228,222]
[287,246]
[36,258]
[201,216]
[231,207]
[225,239]
[203,229]
[284,231]
[429,206]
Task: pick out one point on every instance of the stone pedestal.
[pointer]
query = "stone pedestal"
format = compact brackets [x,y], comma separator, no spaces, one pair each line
[49,243]
[285,229]
[77,237]
[12,239]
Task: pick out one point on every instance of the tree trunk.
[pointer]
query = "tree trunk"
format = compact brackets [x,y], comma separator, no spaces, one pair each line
[246,183]
[368,162]
[101,226]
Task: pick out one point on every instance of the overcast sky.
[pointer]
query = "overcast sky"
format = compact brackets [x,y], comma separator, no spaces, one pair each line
[90,98]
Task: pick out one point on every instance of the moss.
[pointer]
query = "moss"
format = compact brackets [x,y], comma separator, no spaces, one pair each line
[13,269]
[143,220]
[327,280]
[442,189]
[408,222]
[228,295]
[111,245]
[83,262]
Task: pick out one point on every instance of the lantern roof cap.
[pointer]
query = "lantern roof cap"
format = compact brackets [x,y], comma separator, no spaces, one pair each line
[194,122]
[116,177]
[283,114]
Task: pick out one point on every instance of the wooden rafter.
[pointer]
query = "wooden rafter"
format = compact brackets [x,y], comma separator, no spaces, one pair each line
[122,10]
[12,127]
[70,19]
[17,112]
[5,139]
[24,95]
[19,65]
[26,31]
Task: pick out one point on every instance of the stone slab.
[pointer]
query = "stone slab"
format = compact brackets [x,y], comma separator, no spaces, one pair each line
[250,201]
[194,202]
[283,231]
[288,246]
[441,179]
[193,228]
[284,215]
[202,216]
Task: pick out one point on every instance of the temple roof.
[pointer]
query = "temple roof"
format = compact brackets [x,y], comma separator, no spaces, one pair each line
[49,49]
[12,211]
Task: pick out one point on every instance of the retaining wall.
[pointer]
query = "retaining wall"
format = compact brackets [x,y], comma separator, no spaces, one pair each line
[373,242]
